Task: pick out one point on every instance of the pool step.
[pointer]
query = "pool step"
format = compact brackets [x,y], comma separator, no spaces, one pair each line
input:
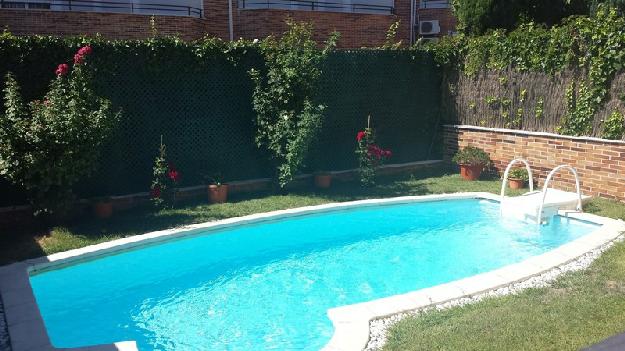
[540,206]
[527,206]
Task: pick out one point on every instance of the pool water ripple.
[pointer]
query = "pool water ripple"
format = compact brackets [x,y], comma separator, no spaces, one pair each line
[268,286]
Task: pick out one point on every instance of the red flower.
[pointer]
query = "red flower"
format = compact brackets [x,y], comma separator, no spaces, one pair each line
[387,154]
[62,69]
[155,192]
[78,59]
[85,50]
[375,151]
[360,135]
[173,175]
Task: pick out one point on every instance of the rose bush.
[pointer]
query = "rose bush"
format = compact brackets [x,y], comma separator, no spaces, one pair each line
[47,147]
[370,156]
[165,182]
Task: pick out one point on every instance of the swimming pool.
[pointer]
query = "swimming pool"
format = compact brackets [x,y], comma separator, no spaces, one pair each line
[268,285]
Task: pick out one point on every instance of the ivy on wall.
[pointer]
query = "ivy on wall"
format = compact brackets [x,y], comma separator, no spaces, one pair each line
[593,47]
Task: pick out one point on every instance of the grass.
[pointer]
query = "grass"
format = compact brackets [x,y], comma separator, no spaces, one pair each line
[16,246]
[579,309]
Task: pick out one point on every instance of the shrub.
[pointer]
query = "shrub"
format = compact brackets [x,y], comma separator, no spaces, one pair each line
[48,145]
[471,155]
[370,156]
[613,126]
[287,117]
[164,186]
[479,16]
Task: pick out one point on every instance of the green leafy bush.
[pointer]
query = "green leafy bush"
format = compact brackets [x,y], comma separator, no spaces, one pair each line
[49,144]
[518,173]
[478,16]
[613,126]
[288,118]
[473,156]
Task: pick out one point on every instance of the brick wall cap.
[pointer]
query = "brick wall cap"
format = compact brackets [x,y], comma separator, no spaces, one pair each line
[541,134]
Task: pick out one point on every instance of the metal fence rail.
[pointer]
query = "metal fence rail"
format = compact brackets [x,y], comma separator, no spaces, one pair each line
[311,5]
[434,4]
[107,6]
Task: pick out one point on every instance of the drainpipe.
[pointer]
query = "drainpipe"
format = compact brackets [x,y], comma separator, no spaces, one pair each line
[230,24]
[412,18]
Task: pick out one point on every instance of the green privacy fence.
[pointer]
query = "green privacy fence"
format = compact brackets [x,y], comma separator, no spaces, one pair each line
[199,100]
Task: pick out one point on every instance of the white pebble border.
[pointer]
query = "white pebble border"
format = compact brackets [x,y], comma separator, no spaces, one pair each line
[378,328]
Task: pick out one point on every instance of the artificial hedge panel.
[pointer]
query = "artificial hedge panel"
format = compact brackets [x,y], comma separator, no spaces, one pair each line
[198,97]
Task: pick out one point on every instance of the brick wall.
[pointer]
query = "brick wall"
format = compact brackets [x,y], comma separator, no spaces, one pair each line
[357,30]
[446,19]
[599,163]
[445,16]
[109,25]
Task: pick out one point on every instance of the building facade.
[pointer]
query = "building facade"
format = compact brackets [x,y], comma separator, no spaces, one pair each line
[362,23]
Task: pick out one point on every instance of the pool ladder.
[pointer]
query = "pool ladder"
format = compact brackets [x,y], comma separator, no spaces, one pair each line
[531,205]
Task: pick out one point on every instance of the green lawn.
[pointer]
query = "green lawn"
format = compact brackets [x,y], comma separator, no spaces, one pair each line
[15,247]
[579,309]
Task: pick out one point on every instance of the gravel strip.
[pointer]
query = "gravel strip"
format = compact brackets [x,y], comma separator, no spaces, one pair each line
[5,344]
[378,328]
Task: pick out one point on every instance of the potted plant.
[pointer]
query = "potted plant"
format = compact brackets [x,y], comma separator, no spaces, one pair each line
[323,180]
[472,161]
[517,178]
[103,207]
[217,189]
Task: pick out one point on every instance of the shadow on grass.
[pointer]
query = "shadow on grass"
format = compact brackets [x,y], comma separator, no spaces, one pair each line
[90,230]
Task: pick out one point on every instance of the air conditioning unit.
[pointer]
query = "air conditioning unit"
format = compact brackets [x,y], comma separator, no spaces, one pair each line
[429,27]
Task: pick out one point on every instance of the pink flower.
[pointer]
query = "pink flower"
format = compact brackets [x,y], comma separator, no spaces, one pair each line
[62,69]
[78,59]
[85,50]
[361,135]
[387,154]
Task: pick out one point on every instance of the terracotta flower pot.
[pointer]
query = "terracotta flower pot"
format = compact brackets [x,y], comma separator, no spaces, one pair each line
[471,172]
[103,209]
[323,181]
[516,183]
[218,194]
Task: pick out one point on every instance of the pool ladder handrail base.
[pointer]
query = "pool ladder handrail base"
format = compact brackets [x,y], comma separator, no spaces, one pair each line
[540,211]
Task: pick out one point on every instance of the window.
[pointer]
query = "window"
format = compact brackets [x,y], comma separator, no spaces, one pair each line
[191,8]
[434,4]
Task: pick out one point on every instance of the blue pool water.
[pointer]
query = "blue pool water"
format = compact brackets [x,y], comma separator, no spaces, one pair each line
[268,286]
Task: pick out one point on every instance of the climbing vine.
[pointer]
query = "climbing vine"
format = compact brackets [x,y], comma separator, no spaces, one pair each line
[613,127]
[288,117]
[593,47]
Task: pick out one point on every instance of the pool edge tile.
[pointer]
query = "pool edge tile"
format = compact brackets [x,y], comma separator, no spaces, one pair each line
[351,331]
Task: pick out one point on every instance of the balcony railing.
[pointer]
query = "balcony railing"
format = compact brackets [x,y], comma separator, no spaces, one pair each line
[123,6]
[378,7]
[434,4]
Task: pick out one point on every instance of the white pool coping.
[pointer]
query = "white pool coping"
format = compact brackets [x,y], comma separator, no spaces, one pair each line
[351,323]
